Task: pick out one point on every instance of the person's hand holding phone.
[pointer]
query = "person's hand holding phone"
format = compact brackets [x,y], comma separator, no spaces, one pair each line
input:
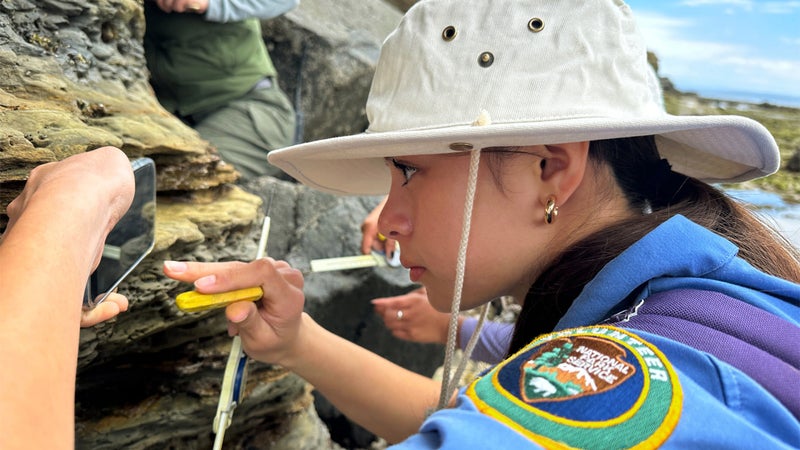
[110,308]
[97,186]
[54,238]
[129,241]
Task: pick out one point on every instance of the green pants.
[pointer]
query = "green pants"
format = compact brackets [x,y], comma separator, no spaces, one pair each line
[247,129]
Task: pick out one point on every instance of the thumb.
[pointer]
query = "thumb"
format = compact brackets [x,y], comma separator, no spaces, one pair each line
[243,318]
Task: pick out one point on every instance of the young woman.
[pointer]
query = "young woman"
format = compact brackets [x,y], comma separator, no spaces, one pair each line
[525,152]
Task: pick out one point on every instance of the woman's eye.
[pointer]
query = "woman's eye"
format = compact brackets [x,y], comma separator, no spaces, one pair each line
[406,170]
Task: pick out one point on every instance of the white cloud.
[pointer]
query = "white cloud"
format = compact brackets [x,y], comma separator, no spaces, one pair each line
[692,63]
[773,7]
[745,4]
[667,38]
[780,7]
[763,75]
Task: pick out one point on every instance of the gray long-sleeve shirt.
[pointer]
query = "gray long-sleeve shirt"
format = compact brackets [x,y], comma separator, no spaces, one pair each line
[235,10]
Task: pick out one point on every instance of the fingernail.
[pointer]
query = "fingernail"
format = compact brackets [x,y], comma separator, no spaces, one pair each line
[206,281]
[175,266]
[238,317]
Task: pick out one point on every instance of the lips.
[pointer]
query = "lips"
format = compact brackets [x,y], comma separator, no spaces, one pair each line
[415,273]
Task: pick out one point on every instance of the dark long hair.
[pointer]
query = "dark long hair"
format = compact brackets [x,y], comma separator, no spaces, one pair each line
[648,184]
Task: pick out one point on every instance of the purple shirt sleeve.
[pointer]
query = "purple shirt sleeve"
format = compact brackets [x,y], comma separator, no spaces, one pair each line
[493,341]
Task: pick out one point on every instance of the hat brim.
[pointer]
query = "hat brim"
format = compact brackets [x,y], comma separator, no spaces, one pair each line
[714,149]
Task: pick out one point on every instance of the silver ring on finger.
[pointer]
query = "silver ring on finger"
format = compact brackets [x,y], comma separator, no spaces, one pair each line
[399,314]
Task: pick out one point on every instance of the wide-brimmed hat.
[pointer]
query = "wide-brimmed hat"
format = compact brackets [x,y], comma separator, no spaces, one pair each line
[458,75]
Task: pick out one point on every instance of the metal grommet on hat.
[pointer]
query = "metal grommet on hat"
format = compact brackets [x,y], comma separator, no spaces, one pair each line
[536,25]
[461,146]
[486,59]
[449,33]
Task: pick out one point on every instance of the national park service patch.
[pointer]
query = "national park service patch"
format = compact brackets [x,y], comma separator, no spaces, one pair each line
[592,387]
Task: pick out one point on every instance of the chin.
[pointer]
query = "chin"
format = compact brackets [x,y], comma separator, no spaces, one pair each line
[440,299]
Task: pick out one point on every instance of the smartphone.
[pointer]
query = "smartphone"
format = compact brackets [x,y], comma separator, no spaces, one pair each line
[131,239]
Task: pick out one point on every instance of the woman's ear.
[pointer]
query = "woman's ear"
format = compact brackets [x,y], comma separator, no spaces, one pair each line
[563,170]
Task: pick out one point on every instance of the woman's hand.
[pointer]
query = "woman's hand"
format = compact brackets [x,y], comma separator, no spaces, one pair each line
[412,318]
[270,327]
[183,6]
[372,239]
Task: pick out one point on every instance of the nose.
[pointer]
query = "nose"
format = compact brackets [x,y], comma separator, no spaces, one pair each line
[394,221]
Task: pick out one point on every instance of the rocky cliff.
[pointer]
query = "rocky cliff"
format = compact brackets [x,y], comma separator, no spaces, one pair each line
[73,78]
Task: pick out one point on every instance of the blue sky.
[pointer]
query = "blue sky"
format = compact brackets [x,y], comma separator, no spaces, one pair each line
[725,45]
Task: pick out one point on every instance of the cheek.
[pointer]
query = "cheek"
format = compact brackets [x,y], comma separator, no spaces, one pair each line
[440,236]
[500,251]
[499,224]
[438,217]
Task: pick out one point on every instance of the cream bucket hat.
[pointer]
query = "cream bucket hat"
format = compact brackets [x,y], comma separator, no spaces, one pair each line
[467,74]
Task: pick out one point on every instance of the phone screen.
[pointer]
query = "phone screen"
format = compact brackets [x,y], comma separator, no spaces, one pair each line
[131,239]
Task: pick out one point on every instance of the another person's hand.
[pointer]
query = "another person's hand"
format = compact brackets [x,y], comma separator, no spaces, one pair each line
[371,239]
[183,6]
[96,186]
[411,317]
[270,327]
[54,239]
[108,309]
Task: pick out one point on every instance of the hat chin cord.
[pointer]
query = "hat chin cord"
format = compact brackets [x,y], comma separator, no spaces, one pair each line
[450,383]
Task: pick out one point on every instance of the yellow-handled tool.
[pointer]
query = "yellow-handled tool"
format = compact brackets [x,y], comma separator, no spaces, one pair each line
[233,381]
[194,301]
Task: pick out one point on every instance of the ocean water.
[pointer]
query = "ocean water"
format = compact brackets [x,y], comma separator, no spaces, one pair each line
[783,216]
[791,100]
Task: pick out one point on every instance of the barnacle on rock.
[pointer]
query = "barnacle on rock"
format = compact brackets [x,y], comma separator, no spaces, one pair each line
[93,110]
[42,41]
[108,33]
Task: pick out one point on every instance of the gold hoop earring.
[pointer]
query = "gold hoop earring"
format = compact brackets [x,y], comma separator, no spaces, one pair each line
[550,210]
